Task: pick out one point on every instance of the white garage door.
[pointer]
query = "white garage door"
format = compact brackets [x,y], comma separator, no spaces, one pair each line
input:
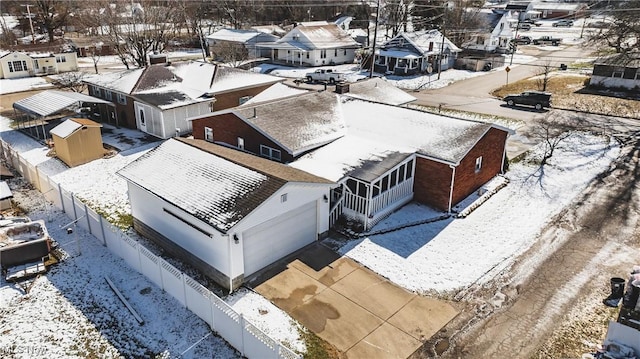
[272,240]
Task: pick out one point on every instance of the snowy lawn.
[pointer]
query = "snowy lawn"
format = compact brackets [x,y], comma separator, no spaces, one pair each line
[452,254]
[8,86]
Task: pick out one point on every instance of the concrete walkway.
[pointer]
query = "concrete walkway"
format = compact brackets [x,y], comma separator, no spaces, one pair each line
[359,312]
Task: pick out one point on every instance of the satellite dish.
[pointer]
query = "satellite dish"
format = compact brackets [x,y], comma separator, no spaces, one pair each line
[429,69]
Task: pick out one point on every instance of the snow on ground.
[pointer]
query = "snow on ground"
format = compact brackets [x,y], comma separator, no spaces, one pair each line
[71,312]
[97,183]
[451,254]
[23,84]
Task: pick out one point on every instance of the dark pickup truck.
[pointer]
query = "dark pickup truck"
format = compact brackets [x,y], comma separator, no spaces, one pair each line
[547,40]
[537,99]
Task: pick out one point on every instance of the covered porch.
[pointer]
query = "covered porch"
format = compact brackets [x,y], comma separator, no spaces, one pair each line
[403,62]
[374,191]
[287,54]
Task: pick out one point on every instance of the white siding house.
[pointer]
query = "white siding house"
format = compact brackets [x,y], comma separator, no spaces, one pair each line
[226,212]
[620,71]
[15,64]
[495,35]
[314,45]
[20,64]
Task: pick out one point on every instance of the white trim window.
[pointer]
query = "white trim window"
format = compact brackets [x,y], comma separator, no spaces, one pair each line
[61,58]
[618,72]
[244,99]
[208,134]
[270,153]
[108,95]
[122,99]
[283,198]
[478,164]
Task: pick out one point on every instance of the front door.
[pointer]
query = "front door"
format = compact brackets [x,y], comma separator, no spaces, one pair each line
[142,120]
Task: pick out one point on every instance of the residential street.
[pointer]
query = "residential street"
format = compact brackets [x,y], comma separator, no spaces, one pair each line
[457,95]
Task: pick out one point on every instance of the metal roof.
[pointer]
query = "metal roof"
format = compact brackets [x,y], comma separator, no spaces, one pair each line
[5,191]
[50,102]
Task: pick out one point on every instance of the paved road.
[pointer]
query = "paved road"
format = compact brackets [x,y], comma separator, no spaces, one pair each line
[473,94]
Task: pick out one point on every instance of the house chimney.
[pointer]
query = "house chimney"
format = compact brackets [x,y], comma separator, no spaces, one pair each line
[157,58]
[342,88]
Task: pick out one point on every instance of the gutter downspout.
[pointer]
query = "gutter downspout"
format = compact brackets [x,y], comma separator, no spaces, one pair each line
[504,154]
[453,176]
[230,263]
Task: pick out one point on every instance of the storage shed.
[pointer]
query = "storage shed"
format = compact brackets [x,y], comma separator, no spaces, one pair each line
[77,141]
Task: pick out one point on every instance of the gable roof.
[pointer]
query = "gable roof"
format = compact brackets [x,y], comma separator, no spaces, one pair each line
[218,185]
[420,42]
[313,36]
[234,35]
[274,92]
[298,123]
[630,59]
[174,85]
[67,127]
[373,136]
[378,90]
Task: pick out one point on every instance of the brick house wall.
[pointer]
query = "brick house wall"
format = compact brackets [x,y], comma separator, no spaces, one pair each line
[432,182]
[232,99]
[228,127]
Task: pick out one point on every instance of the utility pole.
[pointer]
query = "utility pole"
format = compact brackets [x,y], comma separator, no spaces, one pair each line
[375,39]
[444,24]
[33,36]
[513,51]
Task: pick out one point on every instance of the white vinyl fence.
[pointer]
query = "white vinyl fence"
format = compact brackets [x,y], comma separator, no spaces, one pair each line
[230,325]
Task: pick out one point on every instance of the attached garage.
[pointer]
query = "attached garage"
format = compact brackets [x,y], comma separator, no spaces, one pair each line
[272,240]
[225,212]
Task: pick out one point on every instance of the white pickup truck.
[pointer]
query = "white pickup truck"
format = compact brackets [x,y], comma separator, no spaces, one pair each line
[325,75]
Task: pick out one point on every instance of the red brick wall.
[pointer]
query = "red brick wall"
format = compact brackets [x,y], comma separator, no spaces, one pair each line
[432,181]
[491,148]
[230,99]
[227,128]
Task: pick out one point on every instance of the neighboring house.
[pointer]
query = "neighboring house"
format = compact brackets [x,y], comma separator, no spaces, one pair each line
[77,141]
[343,22]
[5,196]
[560,10]
[617,71]
[240,43]
[160,98]
[270,29]
[416,52]
[313,44]
[227,213]
[281,130]
[21,64]
[434,160]
[376,90]
[495,35]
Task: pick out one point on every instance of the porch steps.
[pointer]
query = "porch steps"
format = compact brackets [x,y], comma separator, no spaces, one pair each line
[352,234]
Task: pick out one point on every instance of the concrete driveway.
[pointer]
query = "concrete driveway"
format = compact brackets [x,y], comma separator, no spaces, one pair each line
[359,312]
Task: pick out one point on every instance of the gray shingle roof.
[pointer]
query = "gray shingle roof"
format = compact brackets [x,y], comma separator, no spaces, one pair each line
[217,185]
[298,123]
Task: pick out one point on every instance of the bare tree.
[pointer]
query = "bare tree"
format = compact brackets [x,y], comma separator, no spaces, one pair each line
[52,14]
[551,130]
[71,81]
[622,32]
[230,53]
[542,76]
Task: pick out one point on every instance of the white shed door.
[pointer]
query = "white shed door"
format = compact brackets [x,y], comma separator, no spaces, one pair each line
[272,240]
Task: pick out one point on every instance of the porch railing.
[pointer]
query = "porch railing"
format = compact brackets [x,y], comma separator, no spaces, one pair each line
[392,195]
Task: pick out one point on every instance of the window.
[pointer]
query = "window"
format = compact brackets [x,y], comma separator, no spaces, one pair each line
[107,95]
[637,74]
[478,164]
[335,53]
[212,106]
[375,189]
[394,178]
[271,153]
[241,143]
[345,52]
[323,54]
[409,170]
[244,99]
[208,134]
[307,55]
[283,198]
[96,92]
[142,117]
[17,66]
[36,64]
[60,59]
[618,72]
[122,99]
[430,45]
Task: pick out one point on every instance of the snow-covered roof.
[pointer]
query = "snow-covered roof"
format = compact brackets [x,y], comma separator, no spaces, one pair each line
[50,102]
[298,123]
[320,35]
[173,85]
[234,35]
[630,59]
[543,5]
[374,135]
[423,38]
[69,126]
[215,184]
[274,92]
[5,191]
[379,90]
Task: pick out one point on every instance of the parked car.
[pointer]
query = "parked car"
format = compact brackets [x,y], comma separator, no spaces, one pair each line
[522,40]
[563,23]
[532,22]
[524,26]
[537,99]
